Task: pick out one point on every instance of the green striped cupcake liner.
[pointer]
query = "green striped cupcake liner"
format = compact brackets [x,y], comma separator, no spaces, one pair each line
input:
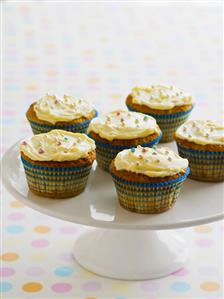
[168,123]
[106,152]
[148,198]
[205,165]
[55,182]
[39,128]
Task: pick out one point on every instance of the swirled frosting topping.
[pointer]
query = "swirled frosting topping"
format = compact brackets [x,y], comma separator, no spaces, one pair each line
[159,162]
[53,109]
[160,97]
[122,124]
[57,145]
[202,132]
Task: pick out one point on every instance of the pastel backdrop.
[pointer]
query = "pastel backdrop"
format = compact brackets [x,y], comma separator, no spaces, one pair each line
[100,51]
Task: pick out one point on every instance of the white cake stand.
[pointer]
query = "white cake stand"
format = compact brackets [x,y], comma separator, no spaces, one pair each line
[125,245]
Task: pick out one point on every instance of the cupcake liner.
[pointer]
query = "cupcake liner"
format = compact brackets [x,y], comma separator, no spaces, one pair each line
[39,128]
[56,182]
[106,152]
[168,123]
[148,198]
[205,165]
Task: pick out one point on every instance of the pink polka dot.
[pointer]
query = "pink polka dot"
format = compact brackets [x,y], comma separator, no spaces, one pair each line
[65,256]
[40,243]
[34,271]
[61,287]
[16,216]
[68,230]
[205,243]
[150,286]
[5,272]
[91,286]
[181,272]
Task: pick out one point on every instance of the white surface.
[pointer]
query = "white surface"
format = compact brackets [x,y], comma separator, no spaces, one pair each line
[98,205]
[131,255]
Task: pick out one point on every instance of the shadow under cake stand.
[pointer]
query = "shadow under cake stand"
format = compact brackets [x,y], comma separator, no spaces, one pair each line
[123,245]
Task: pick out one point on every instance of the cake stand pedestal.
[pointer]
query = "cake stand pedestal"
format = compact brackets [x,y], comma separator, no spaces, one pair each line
[130,255]
[125,245]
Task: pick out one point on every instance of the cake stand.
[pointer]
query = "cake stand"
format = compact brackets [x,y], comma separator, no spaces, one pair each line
[123,245]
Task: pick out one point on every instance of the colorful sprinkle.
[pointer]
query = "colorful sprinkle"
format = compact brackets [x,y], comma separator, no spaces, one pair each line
[41,151]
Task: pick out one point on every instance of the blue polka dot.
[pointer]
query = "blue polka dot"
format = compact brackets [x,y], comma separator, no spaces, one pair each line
[63,271]
[180,286]
[14,229]
[5,287]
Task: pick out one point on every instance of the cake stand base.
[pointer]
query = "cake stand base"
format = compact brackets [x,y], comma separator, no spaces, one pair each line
[130,254]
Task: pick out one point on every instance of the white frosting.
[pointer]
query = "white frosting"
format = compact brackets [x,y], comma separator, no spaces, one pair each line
[122,124]
[160,97]
[159,162]
[57,145]
[53,109]
[202,132]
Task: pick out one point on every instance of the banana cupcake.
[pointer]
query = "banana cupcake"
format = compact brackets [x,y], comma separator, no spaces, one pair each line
[57,164]
[148,180]
[66,113]
[202,143]
[121,129]
[170,106]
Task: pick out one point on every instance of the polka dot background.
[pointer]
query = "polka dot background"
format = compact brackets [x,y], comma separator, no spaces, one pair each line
[100,52]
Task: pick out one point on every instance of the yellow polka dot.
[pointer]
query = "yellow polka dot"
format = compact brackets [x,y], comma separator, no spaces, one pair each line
[111,66]
[210,286]
[38,257]
[42,229]
[120,286]
[32,287]
[116,96]
[16,204]
[9,257]
[205,255]
[172,72]
[15,242]
[93,80]
[203,229]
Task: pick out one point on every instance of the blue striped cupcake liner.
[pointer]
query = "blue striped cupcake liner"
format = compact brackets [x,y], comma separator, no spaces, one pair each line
[168,123]
[148,198]
[39,128]
[205,165]
[106,152]
[55,182]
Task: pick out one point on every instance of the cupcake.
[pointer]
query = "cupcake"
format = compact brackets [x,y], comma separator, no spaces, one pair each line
[119,130]
[202,143]
[67,113]
[168,105]
[57,164]
[148,180]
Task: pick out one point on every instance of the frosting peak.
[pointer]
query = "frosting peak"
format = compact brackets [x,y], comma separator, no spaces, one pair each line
[160,97]
[159,162]
[53,109]
[122,124]
[202,132]
[57,145]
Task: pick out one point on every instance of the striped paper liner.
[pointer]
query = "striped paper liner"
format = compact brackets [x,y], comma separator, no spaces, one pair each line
[106,152]
[168,123]
[39,128]
[148,198]
[55,182]
[205,165]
